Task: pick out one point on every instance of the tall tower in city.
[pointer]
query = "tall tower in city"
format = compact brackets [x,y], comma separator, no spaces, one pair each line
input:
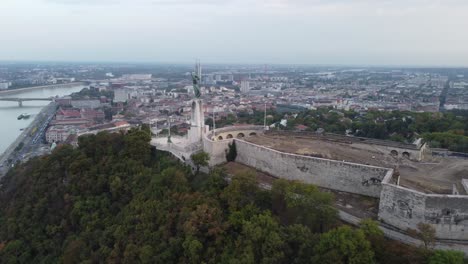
[245,86]
[198,69]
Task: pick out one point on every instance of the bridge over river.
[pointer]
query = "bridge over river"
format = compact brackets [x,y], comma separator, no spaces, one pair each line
[21,100]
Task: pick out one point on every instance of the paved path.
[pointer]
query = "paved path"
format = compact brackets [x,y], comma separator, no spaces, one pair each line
[28,137]
[396,235]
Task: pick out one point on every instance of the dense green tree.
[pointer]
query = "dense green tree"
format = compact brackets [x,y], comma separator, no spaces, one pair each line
[231,153]
[371,229]
[200,159]
[344,245]
[446,257]
[300,243]
[261,235]
[242,191]
[427,234]
[300,203]
[114,199]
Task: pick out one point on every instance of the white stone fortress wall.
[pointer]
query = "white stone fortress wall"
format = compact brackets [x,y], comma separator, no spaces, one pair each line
[405,209]
[399,207]
[216,144]
[331,174]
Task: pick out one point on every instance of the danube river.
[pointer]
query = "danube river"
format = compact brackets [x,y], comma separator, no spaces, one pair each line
[9,111]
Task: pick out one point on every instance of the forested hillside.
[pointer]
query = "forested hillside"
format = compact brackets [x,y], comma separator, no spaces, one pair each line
[114,199]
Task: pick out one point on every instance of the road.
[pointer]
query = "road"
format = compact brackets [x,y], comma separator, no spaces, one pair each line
[32,140]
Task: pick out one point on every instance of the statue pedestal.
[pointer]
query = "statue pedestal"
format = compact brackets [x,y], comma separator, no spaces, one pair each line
[197,122]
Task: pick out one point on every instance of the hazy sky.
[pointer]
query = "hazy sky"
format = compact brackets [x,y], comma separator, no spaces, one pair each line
[369,32]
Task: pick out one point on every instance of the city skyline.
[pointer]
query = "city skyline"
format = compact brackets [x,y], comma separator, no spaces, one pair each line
[384,33]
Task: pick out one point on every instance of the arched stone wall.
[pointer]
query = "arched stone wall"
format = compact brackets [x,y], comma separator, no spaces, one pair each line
[228,133]
[216,144]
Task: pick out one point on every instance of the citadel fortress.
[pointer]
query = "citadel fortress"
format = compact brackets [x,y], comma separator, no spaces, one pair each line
[412,183]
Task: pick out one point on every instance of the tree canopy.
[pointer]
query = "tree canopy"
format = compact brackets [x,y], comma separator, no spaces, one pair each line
[115,199]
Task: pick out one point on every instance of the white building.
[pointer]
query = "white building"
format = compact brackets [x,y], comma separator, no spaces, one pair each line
[121,95]
[137,77]
[86,104]
[245,87]
[58,133]
[4,85]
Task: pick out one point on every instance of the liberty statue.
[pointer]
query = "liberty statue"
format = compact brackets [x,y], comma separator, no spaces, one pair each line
[196,88]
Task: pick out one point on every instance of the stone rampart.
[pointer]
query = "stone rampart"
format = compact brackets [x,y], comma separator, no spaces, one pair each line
[226,133]
[405,209]
[217,143]
[445,153]
[399,207]
[216,149]
[337,175]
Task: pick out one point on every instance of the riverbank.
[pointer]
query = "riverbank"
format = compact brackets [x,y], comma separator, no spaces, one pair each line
[26,142]
[15,91]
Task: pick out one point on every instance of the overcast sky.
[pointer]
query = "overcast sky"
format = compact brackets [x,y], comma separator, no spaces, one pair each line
[360,32]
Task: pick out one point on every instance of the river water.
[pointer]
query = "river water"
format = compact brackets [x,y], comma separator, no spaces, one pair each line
[9,111]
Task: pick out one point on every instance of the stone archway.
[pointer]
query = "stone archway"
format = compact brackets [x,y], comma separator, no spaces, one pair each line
[229,136]
[252,134]
[220,138]
[240,135]
[406,155]
[394,153]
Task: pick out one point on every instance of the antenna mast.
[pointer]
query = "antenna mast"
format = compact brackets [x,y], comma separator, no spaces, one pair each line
[214,123]
[169,137]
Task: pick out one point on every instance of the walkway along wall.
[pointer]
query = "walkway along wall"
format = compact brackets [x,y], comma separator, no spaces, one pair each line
[341,176]
[405,208]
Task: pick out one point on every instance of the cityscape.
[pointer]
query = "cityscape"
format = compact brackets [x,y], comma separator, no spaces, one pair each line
[370,116]
[269,131]
[114,99]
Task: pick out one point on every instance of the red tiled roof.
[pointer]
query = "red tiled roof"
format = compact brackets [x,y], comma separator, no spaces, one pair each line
[301,127]
[69,113]
[120,123]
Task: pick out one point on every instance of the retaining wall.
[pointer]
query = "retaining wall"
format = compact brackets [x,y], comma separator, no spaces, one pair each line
[341,176]
[217,148]
[405,208]
[400,207]
[445,153]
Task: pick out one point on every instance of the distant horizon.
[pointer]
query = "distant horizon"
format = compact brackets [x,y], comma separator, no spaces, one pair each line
[190,63]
